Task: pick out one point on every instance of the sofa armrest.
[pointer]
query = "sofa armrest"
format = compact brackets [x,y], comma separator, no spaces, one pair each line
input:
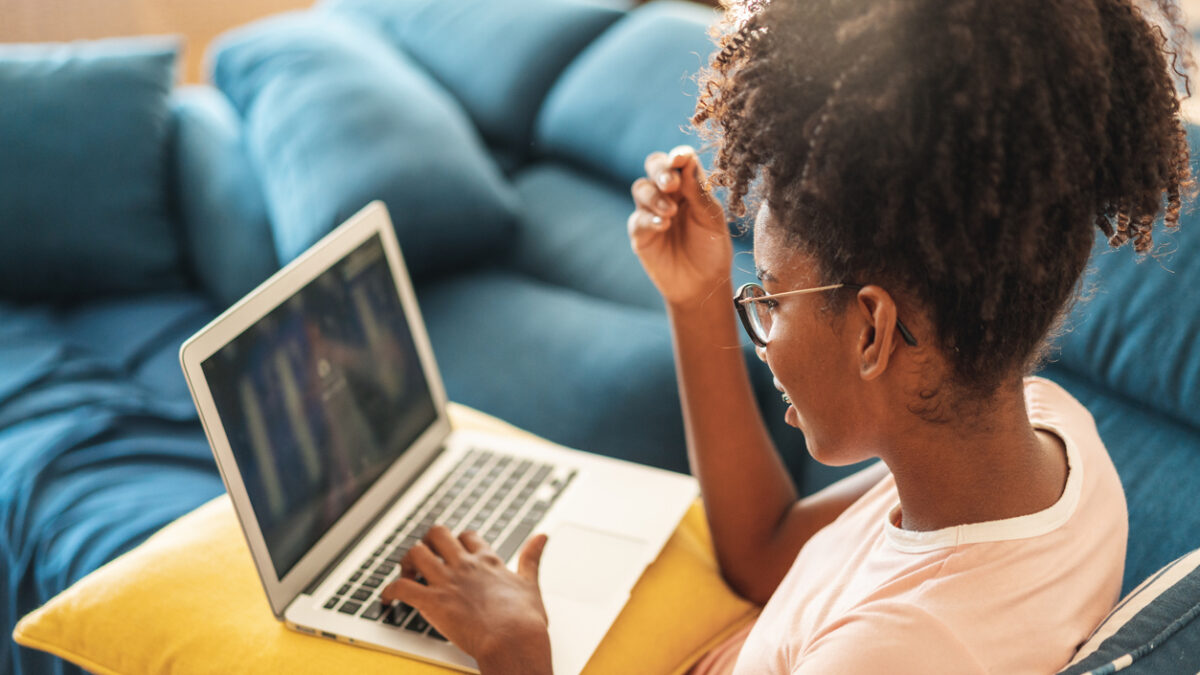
[217,193]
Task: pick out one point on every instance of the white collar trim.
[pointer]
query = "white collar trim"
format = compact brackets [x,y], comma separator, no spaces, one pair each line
[1021,527]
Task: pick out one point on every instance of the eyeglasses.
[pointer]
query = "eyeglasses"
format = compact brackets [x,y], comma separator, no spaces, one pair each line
[758,322]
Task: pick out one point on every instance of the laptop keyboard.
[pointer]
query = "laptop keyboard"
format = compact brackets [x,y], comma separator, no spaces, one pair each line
[500,496]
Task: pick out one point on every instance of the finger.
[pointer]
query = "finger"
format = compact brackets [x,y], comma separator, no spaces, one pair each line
[472,541]
[644,226]
[667,169]
[647,196]
[407,591]
[658,169]
[420,560]
[531,557]
[686,162]
[444,544]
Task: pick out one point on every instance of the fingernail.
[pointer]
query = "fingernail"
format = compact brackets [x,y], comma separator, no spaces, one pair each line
[663,205]
[656,220]
[664,178]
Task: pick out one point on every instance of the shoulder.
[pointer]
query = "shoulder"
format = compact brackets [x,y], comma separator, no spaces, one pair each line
[888,637]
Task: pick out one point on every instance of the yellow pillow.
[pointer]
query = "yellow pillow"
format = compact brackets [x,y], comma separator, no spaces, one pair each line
[189,601]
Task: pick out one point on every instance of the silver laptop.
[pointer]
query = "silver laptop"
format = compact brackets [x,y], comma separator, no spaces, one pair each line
[327,416]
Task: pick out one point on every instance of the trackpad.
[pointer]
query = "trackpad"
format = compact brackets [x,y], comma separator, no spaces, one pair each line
[590,565]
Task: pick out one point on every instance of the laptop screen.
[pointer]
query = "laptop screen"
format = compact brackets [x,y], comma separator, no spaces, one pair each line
[319,398]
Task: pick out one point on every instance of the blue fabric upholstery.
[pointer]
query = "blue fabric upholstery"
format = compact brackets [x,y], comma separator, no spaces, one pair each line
[510,336]
[573,234]
[1137,333]
[336,118]
[599,116]
[1153,630]
[220,200]
[100,442]
[1158,460]
[526,44]
[83,198]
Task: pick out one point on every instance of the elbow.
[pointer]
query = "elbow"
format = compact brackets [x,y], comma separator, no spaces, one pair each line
[750,587]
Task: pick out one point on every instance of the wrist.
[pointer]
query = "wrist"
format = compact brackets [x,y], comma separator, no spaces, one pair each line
[716,299]
[527,654]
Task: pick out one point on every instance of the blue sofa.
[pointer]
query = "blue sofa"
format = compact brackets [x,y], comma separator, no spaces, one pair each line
[503,137]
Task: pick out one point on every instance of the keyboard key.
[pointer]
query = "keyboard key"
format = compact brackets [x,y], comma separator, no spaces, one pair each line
[349,607]
[367,564]
[373,612]
[437,636]
[355,577]
[385,569]
[373,581]
[514,539]
[361,595]
[397,614]
[418,624]
[332,602]
[344,589]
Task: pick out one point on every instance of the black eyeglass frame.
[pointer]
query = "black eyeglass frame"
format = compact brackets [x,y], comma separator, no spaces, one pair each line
[742,299]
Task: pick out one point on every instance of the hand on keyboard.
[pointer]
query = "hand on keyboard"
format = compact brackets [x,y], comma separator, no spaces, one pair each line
[494,615]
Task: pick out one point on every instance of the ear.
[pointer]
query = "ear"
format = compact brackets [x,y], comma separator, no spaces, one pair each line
[877,337]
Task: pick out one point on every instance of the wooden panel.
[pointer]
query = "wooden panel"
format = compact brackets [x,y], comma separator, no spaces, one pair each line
[199,21]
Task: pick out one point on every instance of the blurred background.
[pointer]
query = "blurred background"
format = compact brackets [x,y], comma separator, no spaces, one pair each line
[199,21]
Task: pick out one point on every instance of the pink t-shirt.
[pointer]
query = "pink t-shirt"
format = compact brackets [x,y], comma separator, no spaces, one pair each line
[1008,596]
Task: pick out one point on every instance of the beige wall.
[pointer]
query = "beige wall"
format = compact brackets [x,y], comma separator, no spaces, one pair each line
[202,20]
[199,21]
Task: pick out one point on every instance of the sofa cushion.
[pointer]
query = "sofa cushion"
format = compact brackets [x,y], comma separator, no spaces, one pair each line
[631,92]
[525,43]
[139,613]
[228,235]
[1136,336]
[83,171]
[100,442]
[573,234]
[1155,630]
[578,370]
[336,117]
[1158,459]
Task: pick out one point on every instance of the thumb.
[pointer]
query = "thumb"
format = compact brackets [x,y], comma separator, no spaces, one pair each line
[531,557]
[691,187]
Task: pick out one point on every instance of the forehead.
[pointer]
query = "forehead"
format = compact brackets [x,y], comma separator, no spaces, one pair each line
[775,254]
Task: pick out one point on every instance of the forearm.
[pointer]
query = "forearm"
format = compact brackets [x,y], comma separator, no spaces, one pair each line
[746,489]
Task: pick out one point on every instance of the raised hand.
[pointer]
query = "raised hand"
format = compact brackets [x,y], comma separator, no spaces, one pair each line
[678,230]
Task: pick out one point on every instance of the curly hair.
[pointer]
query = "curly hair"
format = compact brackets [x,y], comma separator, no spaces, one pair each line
[959,151]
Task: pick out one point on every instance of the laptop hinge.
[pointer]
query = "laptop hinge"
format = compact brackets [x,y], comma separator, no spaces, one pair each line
[320,578]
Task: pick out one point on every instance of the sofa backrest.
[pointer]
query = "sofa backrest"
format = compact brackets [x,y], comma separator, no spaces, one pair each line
[1137,330]
[498,59]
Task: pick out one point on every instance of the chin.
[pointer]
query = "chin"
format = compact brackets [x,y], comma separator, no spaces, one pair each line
[831,455]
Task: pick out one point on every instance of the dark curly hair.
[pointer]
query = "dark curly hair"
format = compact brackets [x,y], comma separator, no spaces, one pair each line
[959,152]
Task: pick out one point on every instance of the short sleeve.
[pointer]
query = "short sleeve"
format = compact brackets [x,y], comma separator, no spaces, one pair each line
[892,638]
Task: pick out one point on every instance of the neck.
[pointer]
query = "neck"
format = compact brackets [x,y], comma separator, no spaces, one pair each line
[992,466]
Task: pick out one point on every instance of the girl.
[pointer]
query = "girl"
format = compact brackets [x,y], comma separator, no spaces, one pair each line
[931,175]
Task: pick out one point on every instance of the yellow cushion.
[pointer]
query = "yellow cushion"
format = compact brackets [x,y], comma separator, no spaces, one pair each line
[189,601]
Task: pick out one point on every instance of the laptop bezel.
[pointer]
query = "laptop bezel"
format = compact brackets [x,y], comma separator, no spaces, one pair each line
[371,220]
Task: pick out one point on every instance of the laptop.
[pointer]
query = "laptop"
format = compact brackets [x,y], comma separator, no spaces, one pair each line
[325,411]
